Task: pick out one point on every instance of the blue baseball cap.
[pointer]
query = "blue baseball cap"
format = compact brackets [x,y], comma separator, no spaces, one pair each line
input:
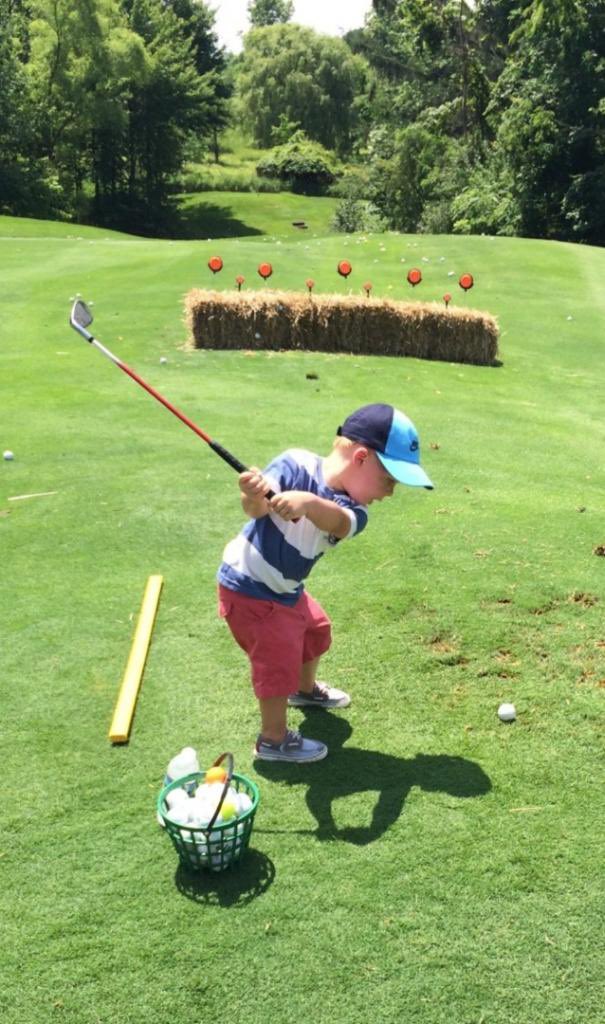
[393,437]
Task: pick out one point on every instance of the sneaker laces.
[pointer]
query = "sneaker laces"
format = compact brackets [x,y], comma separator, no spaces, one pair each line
[291,739]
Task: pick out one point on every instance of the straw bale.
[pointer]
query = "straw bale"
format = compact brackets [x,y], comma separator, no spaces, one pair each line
[340,323]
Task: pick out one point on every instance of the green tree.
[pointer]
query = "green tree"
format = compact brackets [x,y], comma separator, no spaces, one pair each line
[413,187]
[171,104]
[117,94]
[270,12]
[489,202]
[210,61]
[290,72]
[427,53]
[547,108]
[26,186]
[81,55]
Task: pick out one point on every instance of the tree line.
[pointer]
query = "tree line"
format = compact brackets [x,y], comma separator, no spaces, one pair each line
[437,115]
[99,101]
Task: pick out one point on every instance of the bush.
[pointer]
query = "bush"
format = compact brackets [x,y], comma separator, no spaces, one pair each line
[353,215]
[436,218]
[301,165]
[32,189]
[355,212]
[487,205]
[353,184]
[214,178]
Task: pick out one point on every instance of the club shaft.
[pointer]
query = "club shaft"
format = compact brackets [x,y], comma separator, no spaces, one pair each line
[222,452]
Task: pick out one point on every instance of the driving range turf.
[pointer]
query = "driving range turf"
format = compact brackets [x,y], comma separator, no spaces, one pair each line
[439,866]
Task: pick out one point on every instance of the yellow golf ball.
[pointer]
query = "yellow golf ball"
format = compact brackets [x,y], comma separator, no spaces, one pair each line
[228,810]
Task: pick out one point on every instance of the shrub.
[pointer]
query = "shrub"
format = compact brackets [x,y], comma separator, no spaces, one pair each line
[355,212]
[488,204]
[353,215]
[300,164]
[214,178]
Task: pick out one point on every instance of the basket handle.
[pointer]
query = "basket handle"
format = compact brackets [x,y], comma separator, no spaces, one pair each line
[229,759]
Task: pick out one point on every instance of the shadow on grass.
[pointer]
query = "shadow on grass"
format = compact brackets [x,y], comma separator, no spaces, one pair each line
[235,887]
[349,770]
[206,219]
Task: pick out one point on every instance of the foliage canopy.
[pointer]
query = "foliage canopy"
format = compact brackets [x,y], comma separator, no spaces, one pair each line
[487,117]
[310,79]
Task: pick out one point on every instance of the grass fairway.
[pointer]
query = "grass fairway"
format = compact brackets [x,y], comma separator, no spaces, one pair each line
[239,214]
[439,867]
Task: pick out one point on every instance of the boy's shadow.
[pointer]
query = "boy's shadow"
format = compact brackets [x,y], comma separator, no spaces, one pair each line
[350,770]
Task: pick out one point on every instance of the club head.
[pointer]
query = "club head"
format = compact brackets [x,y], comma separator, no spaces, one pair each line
[81,318]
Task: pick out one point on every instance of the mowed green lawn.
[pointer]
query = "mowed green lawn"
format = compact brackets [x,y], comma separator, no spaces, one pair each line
[240,214]
[440,867]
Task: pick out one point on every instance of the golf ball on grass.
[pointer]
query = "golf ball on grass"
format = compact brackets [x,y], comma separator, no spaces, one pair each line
[7,456]
[507,713]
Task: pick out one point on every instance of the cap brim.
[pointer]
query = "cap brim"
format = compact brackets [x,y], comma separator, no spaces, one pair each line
[406,472]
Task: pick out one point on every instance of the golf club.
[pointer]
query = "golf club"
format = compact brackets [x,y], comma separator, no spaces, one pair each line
[81,319]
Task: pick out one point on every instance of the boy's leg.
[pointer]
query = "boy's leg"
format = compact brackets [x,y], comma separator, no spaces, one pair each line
[308,675]
[277,743]
[273,639]
[311,693]
[273,718]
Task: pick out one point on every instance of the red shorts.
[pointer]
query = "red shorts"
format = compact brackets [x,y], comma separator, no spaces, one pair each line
[277,638]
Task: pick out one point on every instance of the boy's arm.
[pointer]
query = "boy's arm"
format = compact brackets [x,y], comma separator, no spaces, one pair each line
[326,515]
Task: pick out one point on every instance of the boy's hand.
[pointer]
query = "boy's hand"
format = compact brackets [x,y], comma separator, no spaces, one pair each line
[323,513]
[291,504]
[253,488]
[253,484]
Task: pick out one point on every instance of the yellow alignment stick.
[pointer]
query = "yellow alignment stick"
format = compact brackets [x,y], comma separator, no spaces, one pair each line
[127,697]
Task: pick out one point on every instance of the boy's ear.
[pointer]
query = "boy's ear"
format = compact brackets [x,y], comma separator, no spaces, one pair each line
[360,455]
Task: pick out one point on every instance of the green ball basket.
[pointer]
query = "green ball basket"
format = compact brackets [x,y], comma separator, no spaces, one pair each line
[219,845]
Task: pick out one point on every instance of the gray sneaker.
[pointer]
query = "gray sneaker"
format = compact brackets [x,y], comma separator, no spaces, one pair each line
[294,748]
[321,696]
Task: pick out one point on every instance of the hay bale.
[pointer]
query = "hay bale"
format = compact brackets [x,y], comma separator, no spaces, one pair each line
[340,323]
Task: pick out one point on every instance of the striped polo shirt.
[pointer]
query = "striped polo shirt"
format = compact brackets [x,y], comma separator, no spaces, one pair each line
[270,558]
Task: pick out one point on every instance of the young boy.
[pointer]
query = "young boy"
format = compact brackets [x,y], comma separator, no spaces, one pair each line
[316,503]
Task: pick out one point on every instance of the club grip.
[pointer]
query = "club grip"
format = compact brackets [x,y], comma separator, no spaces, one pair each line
[228,457]
[232,461]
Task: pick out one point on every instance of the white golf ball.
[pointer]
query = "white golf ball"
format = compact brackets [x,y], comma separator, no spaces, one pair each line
[163,360]
[244,803]
[8,455]
[176,797]
[199,813]
[179,814]
[507,713]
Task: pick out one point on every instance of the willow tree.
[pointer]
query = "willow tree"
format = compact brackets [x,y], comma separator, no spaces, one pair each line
[288,72]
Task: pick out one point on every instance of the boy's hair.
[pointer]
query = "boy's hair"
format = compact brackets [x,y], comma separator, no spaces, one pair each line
[344,442]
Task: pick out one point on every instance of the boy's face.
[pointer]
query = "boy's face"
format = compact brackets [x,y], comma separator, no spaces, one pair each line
[368,480]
